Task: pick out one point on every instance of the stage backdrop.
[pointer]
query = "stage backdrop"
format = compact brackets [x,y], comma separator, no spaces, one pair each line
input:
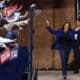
[57,12]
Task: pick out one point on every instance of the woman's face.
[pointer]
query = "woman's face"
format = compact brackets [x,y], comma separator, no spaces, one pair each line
[78,23]
[66,26]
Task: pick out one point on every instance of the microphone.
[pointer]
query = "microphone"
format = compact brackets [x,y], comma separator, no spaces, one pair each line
[37,11]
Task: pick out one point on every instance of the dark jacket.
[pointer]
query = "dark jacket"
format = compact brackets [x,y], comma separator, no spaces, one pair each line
[58,34]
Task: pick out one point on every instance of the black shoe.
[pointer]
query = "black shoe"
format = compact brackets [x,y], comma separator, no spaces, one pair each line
[76,72]
[64,78]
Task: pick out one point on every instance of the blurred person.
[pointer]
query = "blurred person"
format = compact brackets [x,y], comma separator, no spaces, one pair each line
[13,61]
[8,11]
[2,18]
[13,33]
[16,16]
[77,48]
[64,43]
[20,24]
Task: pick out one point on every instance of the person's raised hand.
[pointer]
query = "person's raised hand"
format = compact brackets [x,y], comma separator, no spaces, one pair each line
[47,22]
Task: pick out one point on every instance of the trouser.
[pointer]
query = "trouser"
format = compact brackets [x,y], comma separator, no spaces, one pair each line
[64,54]
[76,58]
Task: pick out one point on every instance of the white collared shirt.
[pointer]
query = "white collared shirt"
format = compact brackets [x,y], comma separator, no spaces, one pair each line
[75,36]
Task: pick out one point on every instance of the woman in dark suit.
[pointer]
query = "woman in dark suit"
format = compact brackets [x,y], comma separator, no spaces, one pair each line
[64,42]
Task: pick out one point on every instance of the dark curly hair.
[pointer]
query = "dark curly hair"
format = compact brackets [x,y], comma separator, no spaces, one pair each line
[66,23]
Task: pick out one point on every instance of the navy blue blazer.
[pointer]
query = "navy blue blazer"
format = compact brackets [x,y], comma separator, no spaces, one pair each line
[58,33]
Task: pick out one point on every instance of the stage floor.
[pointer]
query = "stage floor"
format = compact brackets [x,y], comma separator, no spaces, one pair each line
[56,75]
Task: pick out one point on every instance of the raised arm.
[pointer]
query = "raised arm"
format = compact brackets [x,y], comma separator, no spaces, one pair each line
[19,8]
[49,27]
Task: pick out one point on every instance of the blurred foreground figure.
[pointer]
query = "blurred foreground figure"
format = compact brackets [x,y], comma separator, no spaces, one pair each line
[13,59]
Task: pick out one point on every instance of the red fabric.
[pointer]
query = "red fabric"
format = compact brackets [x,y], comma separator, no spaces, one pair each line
[9,10]
[5,56]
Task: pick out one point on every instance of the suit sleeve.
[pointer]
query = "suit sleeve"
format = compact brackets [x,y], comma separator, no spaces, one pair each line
[51,30]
